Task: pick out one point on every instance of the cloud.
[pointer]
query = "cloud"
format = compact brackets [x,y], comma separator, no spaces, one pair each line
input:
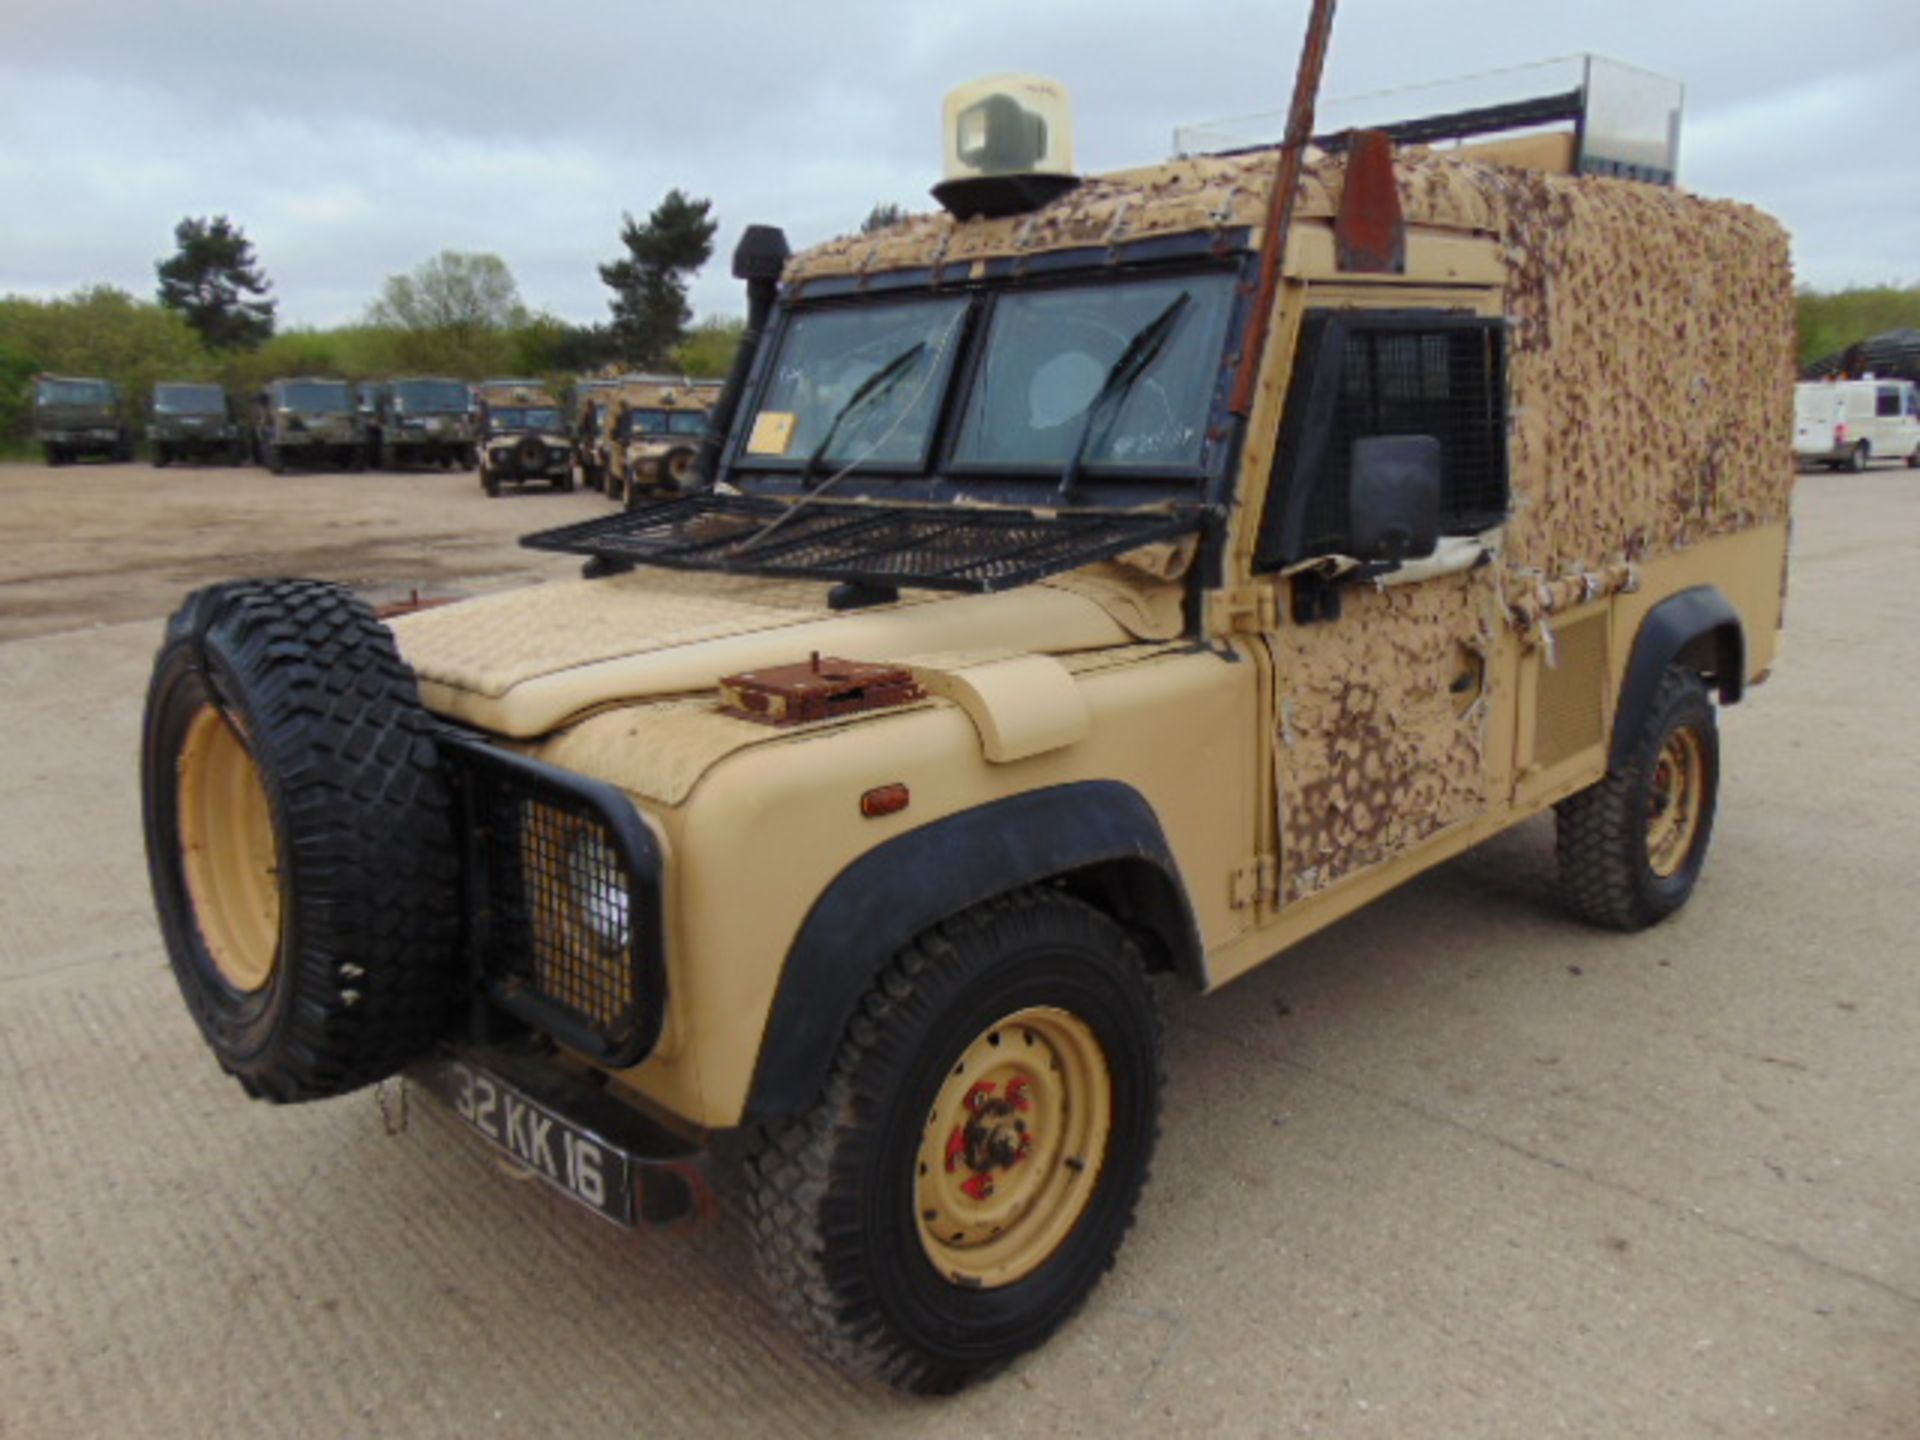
[353,140]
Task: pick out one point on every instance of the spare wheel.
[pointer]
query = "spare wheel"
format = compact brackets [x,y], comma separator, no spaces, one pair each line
[299,837]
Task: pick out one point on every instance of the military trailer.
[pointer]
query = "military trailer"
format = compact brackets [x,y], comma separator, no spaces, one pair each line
[654,434]
[419,421]
[523,438]
[193,420]
[1109,583]
[310,422]
[76,418]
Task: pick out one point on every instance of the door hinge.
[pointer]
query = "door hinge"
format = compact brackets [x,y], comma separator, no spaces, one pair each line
[1247,609]
[1258,879]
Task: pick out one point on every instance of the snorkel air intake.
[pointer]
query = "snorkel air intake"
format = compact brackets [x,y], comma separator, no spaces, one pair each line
[758,259]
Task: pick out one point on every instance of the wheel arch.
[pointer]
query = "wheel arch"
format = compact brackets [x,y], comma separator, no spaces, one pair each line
[1698,629]
[1098,839]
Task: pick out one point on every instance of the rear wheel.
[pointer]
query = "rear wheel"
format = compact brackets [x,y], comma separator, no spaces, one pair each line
[1857,457]
[299,838]
[969,1173]
[1631,847]
[1913,460]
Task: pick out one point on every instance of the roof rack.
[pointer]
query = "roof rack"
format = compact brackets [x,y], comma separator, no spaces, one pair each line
[1624,122]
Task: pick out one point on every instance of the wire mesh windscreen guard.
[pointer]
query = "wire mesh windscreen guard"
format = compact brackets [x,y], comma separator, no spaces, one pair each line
[937,547]
[1357,376]
[567,926]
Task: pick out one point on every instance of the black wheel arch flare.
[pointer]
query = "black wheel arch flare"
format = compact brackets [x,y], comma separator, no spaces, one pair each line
[1698,628]
[1099,839]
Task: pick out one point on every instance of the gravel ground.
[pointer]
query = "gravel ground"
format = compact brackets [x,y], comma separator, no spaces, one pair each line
[1456,1167]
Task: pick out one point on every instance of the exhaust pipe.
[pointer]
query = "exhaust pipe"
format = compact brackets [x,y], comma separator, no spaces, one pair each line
[758,259]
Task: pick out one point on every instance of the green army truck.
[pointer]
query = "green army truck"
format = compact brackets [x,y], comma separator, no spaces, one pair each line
[309,422]
[420,421]
[193,420]
[75,418]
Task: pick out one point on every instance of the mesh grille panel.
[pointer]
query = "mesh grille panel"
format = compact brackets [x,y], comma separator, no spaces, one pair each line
[1409,382]
[570,925]
[943,547]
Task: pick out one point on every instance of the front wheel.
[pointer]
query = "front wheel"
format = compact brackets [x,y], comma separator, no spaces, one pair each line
[1857,458]
[1631,847]
[969,1172]
[490,482]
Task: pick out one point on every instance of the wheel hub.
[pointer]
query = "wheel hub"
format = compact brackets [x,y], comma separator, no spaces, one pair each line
[228,852]
[1012,1147]
[1675,796]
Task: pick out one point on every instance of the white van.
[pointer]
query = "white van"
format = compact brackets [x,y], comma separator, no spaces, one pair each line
[1846,423]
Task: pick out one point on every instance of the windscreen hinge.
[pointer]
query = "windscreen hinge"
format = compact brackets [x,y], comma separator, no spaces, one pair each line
[1247,609]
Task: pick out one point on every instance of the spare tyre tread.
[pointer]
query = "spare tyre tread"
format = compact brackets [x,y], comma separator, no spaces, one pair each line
[363,814]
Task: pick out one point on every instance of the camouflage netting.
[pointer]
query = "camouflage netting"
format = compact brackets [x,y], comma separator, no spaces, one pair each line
[1651,359]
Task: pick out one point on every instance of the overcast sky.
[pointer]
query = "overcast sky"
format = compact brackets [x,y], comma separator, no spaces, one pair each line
[351,140]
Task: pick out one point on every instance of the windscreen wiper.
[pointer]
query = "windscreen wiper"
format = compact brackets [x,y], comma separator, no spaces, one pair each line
[880,380]
[1140,352]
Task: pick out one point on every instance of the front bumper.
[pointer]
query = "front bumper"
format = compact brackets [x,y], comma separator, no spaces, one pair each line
[562,1126]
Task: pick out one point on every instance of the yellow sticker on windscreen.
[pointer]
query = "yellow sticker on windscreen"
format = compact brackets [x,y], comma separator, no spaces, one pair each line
[772,433]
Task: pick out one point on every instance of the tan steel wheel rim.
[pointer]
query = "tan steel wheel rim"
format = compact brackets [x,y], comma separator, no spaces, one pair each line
[227,851]
[1013,1146]
[1673,803]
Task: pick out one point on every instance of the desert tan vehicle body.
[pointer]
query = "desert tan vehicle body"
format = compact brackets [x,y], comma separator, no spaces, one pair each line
[653,432]
[774,852]
[523,437]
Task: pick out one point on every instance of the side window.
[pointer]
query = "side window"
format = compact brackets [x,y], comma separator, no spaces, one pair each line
[1913,401]
[1887,402]
[1390,373]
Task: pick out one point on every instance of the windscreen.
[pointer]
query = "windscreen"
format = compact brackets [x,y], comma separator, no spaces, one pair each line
[430,396]
[524,417]
[1052,355]
[189,400]
[667,422]
[317,397]
[75,392]
[857,383]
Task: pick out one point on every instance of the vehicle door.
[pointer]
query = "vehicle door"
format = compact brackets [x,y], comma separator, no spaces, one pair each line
[1384,731]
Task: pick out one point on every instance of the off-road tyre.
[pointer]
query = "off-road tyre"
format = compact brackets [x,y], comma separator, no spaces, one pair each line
[162,457]
[830,1196]
[1857,458]
[490,482]
[276,460]
[469,457]
[1913,460]
[1606,876]
[361,975]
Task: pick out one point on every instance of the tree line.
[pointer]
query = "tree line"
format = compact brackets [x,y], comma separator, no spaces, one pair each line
[214,318]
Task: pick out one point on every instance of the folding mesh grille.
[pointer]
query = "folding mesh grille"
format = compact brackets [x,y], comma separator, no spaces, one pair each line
[1441,382]
[568,926]
[941,547]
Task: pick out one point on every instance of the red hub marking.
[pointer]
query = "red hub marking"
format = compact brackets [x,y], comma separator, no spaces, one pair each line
[979,1186]
[978,1095]
[956,1146]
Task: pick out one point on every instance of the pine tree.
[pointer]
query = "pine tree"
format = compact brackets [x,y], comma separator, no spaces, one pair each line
[214,281]
[881,216]
[650,310]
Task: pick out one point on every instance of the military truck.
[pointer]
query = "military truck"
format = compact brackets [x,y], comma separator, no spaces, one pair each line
[523,438]
[419,421]
[654,433]
[193,420]
[308,421]
[1108,583]
[74,418]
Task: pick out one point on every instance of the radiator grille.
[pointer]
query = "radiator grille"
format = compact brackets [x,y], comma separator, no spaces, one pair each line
[1570,714]
[567,925]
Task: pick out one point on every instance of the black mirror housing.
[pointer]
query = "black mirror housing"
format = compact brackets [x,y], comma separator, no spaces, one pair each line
[1394,496]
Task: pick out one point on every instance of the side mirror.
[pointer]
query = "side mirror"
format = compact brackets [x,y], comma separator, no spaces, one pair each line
[1394,497]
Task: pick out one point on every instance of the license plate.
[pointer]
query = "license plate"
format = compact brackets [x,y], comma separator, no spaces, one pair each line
[579,1164]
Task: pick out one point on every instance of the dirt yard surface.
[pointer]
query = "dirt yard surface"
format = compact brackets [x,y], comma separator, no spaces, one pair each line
[1456,1168]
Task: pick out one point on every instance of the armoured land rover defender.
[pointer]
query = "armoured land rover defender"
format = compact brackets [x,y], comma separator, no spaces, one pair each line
[591,400]
[523,438]
[193,420]
[656,428]
[1112,579]
[74,418]
[308,422]
[421,421]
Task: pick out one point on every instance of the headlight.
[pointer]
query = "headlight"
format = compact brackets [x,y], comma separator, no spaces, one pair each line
[599,884]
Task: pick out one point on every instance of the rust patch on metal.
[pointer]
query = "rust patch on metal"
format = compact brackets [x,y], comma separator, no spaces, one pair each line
[816,689]
[1370,230]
